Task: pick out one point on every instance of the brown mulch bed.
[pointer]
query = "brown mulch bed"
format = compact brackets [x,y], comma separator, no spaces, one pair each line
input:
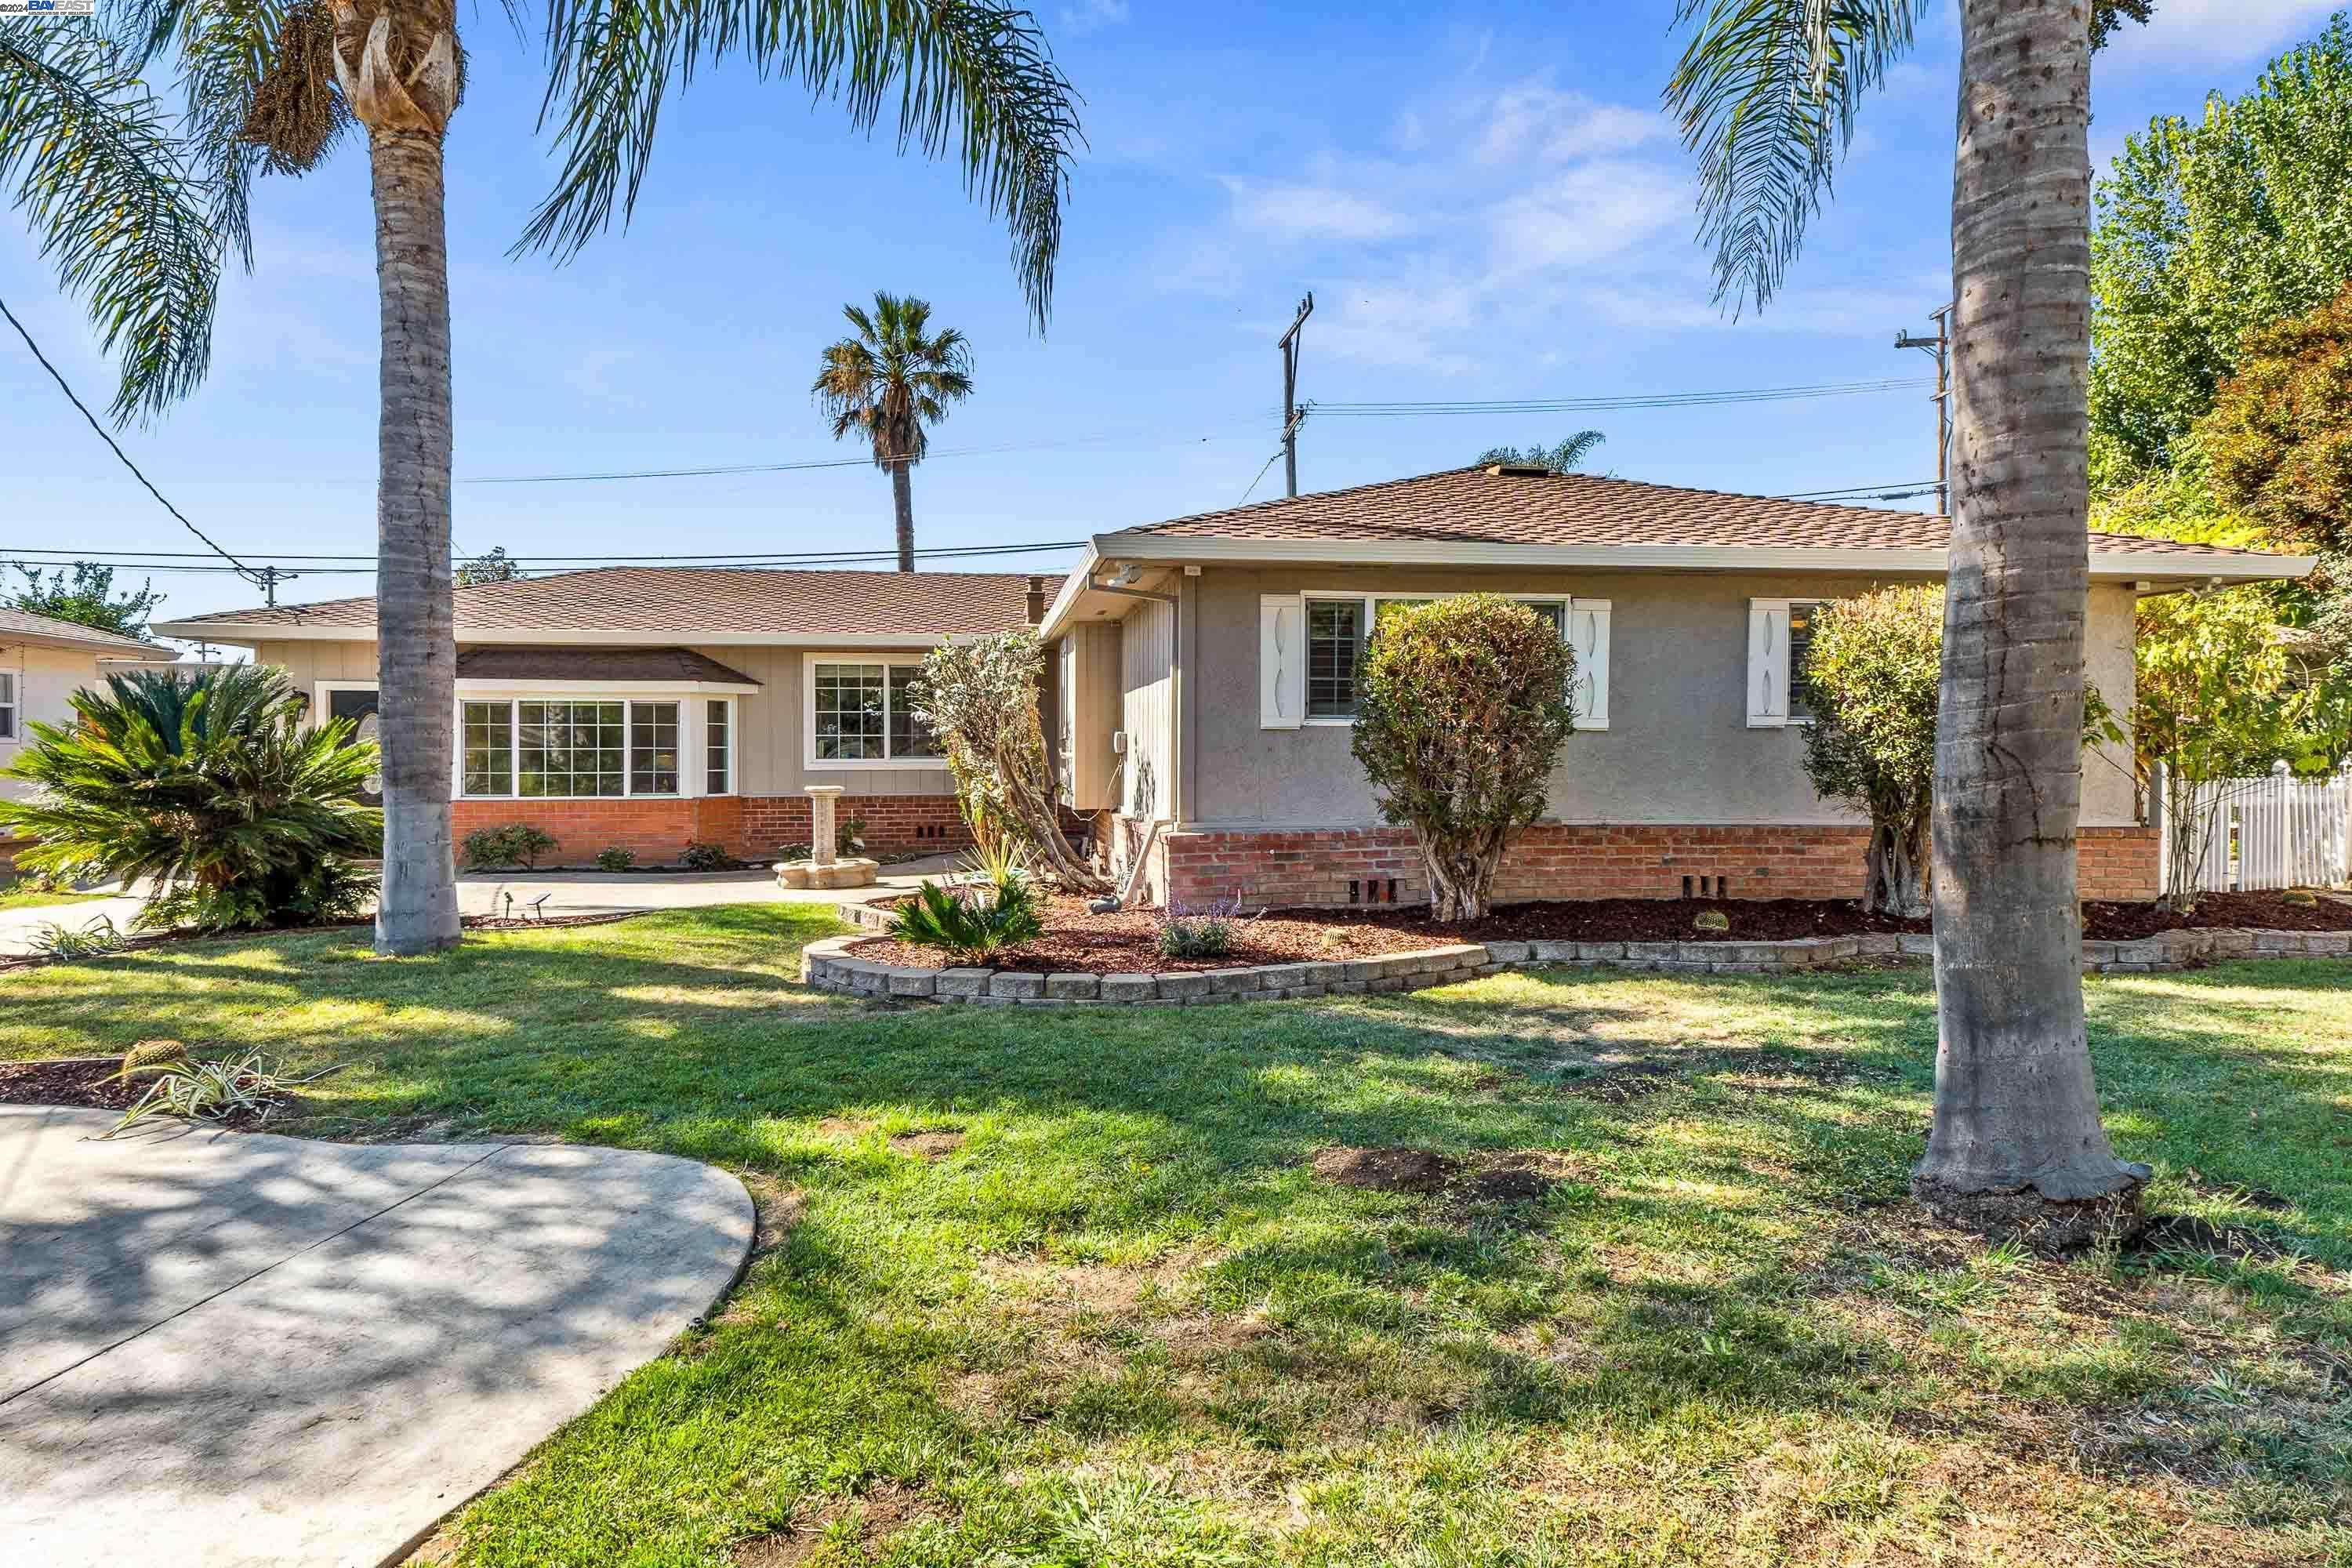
[1079,942]
[69,1081]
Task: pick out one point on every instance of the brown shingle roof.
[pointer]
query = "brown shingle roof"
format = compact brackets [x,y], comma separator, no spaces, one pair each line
[49,628]
[684,602]
[526,663]
[1477,506]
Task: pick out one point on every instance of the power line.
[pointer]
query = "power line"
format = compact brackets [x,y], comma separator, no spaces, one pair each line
[721,469]
[243,570]
[1853,490]
[1414,410]
[130,559]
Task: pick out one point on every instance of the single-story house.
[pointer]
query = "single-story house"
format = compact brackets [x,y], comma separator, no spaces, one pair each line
[43,662]
[1203,683]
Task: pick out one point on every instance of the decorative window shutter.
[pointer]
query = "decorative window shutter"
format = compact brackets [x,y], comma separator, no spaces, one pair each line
[1281,661]
[1588,636]
[1768,663]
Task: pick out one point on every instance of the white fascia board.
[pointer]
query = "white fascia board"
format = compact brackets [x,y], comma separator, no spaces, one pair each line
[250,632]
[1066,603]
[2106,564]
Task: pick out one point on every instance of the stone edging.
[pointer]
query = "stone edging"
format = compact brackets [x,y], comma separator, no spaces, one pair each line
[828,965]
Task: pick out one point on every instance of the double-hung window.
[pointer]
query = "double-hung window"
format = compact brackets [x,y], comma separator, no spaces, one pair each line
[1312,647]
[536,748]
[863,711]
[719,747]
[7,705]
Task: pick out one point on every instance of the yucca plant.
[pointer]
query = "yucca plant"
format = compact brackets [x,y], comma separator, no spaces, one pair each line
[210,1091]
[211,786]
[56,940]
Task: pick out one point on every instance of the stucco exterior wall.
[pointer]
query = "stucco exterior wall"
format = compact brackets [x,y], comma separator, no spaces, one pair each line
[772,723]
[1678,750]
[46,678]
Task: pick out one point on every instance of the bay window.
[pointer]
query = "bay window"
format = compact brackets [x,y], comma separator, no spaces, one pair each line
[534,748]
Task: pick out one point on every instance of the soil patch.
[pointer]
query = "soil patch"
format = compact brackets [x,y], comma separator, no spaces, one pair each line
[1079,941]
[881,1512]
[2180,1233]
[1384,1170]
[933,1145]
[2257,911]
[1519,1178]
[74,1080]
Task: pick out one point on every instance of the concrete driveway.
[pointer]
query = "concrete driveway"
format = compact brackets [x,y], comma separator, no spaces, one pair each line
[567,893]
[231,1349]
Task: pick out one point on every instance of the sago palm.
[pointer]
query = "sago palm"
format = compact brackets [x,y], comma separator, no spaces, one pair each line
[139,209]
[1768,91]
[888,384]
[212,787]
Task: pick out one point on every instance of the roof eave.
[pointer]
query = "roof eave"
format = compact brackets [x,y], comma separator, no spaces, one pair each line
[248,633]
[1142,546]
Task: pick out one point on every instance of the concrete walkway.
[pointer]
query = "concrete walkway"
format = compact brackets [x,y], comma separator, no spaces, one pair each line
[223,1350]
[567,893]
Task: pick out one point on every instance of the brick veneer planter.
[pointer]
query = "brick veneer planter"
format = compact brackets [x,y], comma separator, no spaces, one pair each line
[828,965]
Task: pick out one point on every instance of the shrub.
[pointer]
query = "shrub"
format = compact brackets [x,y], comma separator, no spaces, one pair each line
[703,855]
[1871,682]
[618,857]
[100,936]
[516,844]
[210,785]
[1460,715]
[210,1090]
[979,698]
[1198,933]
[967,921]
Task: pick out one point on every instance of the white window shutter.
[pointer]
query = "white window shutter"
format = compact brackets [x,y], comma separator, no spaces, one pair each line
[1768,662]
[1281,661]
[1587,636]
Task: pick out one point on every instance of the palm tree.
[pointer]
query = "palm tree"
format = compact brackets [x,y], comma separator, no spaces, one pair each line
[888,384]
[1768,91]
[139,213]
[1564,456]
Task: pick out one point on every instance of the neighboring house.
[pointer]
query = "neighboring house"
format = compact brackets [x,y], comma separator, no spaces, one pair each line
[1208,674]
[653,707]
[43,662]
[1203,688]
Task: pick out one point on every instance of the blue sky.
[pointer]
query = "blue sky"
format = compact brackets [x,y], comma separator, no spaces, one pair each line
[1483,199]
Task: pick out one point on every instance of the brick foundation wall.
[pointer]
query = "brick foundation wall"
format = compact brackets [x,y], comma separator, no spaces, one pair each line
[1315,869]
[749,826]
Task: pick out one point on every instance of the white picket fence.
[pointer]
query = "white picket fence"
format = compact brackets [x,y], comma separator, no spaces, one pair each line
[2276,831]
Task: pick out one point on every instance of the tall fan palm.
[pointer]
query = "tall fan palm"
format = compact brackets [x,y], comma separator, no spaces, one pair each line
[139,211]
[888,384]
[1768,91]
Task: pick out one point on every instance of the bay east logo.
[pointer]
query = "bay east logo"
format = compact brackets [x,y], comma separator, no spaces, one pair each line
[47,8]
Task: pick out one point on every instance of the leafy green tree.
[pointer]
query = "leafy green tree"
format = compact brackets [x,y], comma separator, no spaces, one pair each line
[1561,457]
[138,211]
[1768,92]
[494,565]
[979,700]
[86,598]
[213,786]
[888,384]
[1461,712]
[2278,439]
[2217,699]
[2208,229]
[1872,676]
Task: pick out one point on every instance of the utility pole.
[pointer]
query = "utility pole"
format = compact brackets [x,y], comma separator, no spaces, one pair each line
[1941,346]
[1291,413]
[270,577]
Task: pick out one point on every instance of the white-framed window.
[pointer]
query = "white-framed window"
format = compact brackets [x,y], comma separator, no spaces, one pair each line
[1311,650]
[7,704]
[569,748]
[719,746]
[861,712]
[1780,633]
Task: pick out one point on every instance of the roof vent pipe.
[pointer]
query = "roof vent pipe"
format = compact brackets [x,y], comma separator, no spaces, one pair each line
[1037,601]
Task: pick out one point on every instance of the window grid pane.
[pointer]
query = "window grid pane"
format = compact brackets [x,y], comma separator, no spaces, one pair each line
[1335,646]
[909,737]
[489,748]
[570,750]
[715,749]
[653,748]
[850,708]
[1801,644]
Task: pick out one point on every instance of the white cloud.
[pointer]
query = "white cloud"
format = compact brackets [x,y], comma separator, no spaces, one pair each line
[1535,119]
[1591,213]
[1293,212]
[2211,31]
[1092,15]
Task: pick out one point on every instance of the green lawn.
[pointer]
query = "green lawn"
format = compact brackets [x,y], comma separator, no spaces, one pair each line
[30,898]
[1124,1322]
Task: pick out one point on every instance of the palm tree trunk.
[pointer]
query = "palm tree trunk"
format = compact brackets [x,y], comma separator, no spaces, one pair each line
[415,639]
[902,497]
[2017,1143]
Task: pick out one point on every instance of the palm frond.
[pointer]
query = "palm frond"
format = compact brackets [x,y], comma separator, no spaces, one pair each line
[132,231]
[1767,91]
[974,79]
